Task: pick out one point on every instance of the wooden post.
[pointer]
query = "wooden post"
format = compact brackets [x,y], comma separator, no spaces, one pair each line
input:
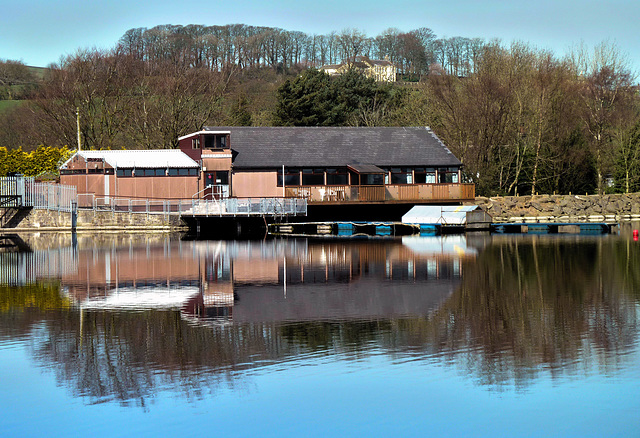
[78,127]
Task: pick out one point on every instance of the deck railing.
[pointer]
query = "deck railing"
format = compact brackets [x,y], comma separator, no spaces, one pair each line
[249,207]
[214,207]
[383,193]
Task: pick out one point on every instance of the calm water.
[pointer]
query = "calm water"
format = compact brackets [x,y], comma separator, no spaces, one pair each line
[434,336]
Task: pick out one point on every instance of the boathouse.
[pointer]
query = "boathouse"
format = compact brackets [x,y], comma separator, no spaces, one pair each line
[324,165]
[328,165]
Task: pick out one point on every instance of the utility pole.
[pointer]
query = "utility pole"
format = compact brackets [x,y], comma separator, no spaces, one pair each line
[78,127]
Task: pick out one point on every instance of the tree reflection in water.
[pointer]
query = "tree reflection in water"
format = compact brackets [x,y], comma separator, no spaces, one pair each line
[519,307]
[533,304]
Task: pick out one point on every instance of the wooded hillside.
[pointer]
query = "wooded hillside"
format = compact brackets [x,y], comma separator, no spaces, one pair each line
[521,119]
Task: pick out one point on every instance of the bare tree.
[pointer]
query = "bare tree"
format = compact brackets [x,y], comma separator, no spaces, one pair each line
[606,97]
[351,43]
[90,82]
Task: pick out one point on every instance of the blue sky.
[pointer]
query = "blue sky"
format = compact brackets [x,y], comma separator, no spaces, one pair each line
[39,32]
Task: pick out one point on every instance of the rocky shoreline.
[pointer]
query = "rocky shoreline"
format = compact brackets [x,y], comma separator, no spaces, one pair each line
[563,208]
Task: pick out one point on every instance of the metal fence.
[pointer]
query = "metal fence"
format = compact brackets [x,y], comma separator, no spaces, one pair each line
[197,207]
[20,191]
[24,191]
[250,207]
[50,196]
[12,191]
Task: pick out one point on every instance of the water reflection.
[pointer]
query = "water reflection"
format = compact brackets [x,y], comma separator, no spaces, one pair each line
[121,319]
[539,304]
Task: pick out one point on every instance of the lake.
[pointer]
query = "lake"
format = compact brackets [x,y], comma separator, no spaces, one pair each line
[477,335]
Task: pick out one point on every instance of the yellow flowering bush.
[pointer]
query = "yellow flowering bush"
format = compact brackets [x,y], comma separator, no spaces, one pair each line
[34,163]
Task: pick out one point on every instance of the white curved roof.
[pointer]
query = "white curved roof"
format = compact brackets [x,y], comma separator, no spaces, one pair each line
[438,214]
[147,158]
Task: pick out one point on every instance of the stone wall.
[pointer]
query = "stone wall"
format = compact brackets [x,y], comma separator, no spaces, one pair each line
[573,208]
[550,208]
[98,221]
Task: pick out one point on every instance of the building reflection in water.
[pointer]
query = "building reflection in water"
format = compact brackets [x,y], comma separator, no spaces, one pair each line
[187,315]
[277,280]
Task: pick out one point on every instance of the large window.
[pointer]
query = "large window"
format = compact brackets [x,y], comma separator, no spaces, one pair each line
[372,179]
[448,175]
[215,141]
[312,177]
[337,177]
[425,175]
[291,177]
[401,175]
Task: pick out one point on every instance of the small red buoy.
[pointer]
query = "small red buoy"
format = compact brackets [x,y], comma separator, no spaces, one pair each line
[635,235]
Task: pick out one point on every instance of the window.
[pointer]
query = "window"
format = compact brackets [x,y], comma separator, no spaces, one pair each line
[425,175]
[215,141]
[148,172]
[182,172]
[72,172]
[372,179]
[161,172]
[219,177]
[401,175]
[448,175]
[291,177]
[355,178]
[337,177]
[195,143]
[312,177]
[124,172]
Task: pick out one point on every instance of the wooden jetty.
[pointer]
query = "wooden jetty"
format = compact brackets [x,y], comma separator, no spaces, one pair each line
[374,228]
[349,229]
[554,227]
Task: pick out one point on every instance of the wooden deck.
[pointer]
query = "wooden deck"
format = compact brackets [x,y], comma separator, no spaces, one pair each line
[390,193]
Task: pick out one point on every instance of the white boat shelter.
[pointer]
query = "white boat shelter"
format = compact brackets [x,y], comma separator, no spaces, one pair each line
[447,215]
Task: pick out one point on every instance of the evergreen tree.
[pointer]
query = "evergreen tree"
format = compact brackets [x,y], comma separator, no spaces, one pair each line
[316,99]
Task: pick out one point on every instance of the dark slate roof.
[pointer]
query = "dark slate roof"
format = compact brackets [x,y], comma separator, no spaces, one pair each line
[268,147]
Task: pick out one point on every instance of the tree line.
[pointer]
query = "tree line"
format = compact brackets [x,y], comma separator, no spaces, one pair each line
[527,121]
[522,120]
[242,46]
